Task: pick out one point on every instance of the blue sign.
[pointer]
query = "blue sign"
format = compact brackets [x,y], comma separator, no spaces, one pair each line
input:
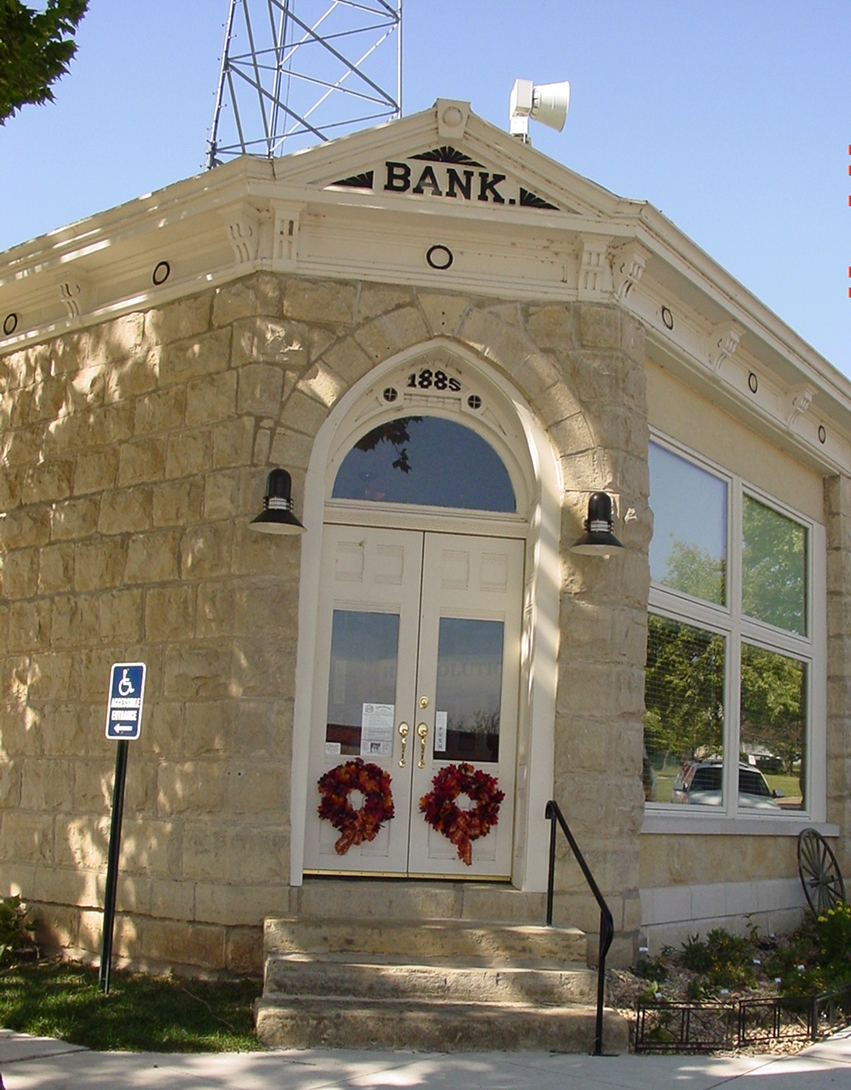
[126,691]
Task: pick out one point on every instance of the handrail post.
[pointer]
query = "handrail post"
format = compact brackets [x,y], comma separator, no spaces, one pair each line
[552,813]
[602,949]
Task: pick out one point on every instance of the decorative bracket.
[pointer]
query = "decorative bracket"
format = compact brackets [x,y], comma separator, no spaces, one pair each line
[76,291]
[800,398]
[628,264]
[243,229]
[722,342]
[595,275]
[285,242]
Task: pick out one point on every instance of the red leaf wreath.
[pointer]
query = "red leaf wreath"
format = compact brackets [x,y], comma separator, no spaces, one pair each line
[355,825]
[459,826]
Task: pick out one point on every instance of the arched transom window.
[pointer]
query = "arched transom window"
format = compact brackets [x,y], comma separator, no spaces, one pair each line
[425,460]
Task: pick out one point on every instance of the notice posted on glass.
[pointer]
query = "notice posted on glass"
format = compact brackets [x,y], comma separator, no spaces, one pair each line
[440,732]
[376,735]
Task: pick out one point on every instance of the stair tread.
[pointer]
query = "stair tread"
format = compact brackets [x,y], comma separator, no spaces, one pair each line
[401,1006]
[420,922]
[434,961]
[451,939]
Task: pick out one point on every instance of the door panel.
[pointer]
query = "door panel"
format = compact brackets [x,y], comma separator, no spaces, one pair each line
[422,630]
[469,671]
[367,639]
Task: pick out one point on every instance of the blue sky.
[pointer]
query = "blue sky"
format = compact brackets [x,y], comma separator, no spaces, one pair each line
[731,116]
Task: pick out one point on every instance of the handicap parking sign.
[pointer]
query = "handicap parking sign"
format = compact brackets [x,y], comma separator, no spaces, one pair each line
[126,692]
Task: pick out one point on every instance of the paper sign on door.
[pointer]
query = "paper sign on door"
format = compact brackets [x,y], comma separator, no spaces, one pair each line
[376,736]
[440,732]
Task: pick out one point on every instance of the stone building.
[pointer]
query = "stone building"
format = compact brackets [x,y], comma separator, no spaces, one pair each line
[450,342]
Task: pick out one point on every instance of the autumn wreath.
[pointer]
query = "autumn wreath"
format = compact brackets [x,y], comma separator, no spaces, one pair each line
[377,807]
[459,826]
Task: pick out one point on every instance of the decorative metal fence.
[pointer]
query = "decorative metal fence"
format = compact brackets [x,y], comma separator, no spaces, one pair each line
[717,1027]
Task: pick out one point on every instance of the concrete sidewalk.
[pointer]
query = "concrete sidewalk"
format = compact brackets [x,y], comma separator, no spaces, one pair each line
[28,1063]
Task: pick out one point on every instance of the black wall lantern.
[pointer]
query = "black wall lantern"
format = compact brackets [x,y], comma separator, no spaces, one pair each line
[598,539]
[277,515]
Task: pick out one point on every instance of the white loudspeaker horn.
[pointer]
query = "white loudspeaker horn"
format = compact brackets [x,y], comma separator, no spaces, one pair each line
[549,104]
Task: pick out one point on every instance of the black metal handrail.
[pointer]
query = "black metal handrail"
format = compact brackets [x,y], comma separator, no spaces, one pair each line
[607,925]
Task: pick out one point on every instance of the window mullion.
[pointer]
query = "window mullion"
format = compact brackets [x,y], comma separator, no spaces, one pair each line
[732,710]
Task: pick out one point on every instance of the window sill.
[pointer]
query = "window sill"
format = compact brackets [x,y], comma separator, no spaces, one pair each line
[697,824]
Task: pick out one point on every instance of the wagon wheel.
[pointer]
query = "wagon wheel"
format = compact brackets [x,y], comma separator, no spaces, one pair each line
[819,871]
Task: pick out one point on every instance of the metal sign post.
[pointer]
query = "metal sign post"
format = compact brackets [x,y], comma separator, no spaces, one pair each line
[123,724]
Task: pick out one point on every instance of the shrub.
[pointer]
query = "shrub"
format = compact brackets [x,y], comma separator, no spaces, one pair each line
[17,930]
[834,937]
[725,960]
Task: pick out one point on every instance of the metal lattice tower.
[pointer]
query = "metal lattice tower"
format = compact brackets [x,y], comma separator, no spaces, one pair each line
[295,72]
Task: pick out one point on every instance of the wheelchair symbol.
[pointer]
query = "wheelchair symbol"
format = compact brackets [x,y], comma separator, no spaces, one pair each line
[125,685]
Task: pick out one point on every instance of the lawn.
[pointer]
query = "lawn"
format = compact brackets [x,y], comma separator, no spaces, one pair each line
[52,998]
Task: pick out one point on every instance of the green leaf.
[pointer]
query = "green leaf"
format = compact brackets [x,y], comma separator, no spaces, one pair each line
[36,48]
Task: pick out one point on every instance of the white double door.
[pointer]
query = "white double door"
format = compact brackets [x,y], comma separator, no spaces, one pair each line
[417,667]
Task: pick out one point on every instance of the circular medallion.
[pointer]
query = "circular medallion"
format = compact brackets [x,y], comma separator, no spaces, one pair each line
[439,257]
[161,273]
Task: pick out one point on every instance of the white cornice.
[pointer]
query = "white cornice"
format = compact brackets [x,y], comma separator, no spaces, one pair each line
[254,214]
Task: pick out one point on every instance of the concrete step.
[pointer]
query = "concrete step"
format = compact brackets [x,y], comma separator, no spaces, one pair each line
[377,898]
[300,975]
[492,943]
[433,1026]
[436,984]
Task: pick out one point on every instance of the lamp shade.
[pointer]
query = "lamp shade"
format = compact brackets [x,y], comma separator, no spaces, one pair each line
[598,539]
[277,515]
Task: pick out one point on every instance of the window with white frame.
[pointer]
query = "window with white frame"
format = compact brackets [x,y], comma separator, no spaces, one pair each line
[732,662]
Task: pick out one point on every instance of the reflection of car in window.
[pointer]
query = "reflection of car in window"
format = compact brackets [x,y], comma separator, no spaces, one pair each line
[699,783]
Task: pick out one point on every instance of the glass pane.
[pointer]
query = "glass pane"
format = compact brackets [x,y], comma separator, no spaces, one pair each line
[362,683]
[684,717]
[772,772]
[425,460]
[774,567]
[469,690]
[689,547]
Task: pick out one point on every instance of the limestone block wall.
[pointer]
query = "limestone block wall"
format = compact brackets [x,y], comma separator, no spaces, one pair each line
[603,626]
[132,456]
[692,883]
[837,502]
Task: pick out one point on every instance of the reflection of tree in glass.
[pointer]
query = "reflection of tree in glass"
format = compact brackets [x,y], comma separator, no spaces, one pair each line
[396,432]
[482,722]
[773,567]
[772,705]
[684,690]
[697,572]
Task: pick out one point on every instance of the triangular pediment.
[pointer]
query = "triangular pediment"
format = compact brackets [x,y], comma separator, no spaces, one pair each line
[445,155]
[444,172]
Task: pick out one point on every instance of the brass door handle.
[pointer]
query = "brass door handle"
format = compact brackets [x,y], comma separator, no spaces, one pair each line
[403,732]
[422,731]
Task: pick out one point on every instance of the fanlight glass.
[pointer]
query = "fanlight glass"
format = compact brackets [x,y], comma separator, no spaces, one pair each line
[426,460]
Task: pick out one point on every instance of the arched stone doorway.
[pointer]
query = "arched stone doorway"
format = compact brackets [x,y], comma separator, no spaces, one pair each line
[409,582]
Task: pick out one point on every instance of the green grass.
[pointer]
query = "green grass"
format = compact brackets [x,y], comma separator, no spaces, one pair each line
[790,785]
[142,1013]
